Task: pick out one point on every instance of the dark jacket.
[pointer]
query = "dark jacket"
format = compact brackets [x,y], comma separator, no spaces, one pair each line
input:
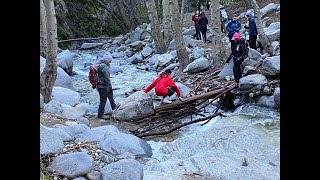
[233,26]
[238,52]
[203,21]
[104,77]
[252,24]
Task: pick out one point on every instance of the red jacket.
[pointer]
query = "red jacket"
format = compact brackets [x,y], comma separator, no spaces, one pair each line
[162,83]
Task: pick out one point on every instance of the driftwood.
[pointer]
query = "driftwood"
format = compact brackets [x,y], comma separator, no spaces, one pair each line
[82,39]
[195,98]
[178,127]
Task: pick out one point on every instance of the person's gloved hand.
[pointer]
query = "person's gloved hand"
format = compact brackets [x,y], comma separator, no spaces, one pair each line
[93,87]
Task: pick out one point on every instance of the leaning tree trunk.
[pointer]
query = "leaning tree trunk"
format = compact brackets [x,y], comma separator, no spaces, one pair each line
[49,74]
[161,47]
[262,36]
[177,31]
[124,14]
[43,30]
[167,23]
[219,53]
[183,3]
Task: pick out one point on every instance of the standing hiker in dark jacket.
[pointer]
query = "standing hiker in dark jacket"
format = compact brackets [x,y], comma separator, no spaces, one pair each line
[233,26]
[251,25]
[104,85]
[238,53]
[203,22]
[195,19]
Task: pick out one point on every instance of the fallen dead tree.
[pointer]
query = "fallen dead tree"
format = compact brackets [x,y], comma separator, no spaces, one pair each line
[166,117]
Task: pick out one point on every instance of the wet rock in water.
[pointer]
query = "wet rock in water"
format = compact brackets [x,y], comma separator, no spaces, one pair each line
[123,169]
[73,165]
[276,96]
[267,101]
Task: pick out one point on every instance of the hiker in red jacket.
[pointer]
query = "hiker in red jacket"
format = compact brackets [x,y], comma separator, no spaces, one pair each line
[165,87]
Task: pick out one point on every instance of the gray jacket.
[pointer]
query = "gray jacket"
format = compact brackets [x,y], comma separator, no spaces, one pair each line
[104,81]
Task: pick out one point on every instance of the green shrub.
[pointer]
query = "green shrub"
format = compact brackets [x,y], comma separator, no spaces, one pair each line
[112,28]
[63,34]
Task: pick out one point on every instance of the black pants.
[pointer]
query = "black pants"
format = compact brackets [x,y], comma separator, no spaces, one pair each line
[230,35]
[236,71]
[104,95]
[253,41]
[171,91]
[197,32]
[204,33]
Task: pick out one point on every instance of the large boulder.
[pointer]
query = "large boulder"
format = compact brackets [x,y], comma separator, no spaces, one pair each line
[267,101]
[146,51]
[276,96]
[49,141]
[63,79]
[65,60]
[197,65]
[124,169]
[102,131]
[227,69]
[273,31]
[65,96]
[136,34]
[80,131]
[73,165]
[254,54]
[137,106]
[74,112]
[153,60]
[191,31]
[119,143]
[198,52]
[268,8]
[252,80]
[164,59]
[53,107]
[271,66]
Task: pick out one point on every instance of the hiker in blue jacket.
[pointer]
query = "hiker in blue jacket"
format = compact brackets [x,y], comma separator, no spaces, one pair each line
[253,33]
[233,26]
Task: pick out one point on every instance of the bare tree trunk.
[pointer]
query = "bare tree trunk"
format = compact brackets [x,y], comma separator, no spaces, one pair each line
[219,53]
[124,14]
[183,3]
[43,30]
[262,36]
[177,30]
[161,47]
[49,74]
[167,23]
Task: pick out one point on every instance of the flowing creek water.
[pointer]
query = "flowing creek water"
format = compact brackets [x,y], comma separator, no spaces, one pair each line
[265,120]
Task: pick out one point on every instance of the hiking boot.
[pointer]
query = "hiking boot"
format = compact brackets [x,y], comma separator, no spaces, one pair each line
[166,100]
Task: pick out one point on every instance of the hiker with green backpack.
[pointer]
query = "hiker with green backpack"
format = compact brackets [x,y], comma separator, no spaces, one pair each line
[99,76]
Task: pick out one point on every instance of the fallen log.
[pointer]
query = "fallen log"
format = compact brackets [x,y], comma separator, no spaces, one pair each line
[195,98]
[178,127]
[82,39]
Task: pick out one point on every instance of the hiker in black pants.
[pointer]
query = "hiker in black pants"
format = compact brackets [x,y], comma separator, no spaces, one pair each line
[253,33]
[203,22]
[238,53]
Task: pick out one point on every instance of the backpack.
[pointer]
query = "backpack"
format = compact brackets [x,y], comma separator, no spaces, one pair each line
[93,76]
